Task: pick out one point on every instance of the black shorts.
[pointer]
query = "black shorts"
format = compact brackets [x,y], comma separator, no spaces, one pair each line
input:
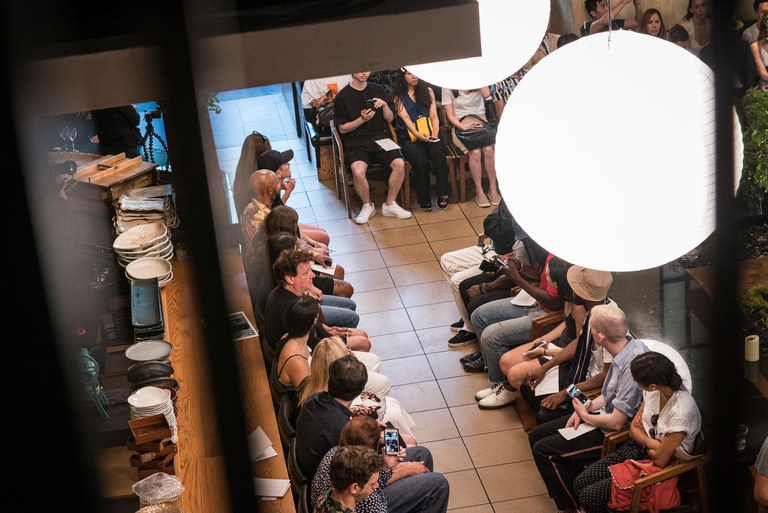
[324,283]
[371,153]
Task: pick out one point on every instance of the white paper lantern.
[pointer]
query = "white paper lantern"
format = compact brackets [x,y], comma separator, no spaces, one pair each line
[510,33]
[606,152]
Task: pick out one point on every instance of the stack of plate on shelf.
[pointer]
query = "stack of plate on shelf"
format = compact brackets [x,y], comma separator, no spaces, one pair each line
[146,205]
[144,240]
[149,267]
[148,401]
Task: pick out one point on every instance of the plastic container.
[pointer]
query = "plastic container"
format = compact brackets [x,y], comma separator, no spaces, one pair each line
[159,488]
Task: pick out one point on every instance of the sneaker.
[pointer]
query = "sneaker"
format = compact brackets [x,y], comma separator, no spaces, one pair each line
[482,200]
[462,338]
[501,398]
[442,202]
[367,212]
[395,210]
[495,199]
[476,365]
[482,394]
[456,326]
[471,357]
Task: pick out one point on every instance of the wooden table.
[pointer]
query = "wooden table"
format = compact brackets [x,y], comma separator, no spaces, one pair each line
[751,272]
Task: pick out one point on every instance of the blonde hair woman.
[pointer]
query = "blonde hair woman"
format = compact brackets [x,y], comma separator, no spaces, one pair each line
[382,408]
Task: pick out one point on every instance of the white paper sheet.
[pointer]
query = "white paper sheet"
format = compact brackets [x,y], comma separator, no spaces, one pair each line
[569,433]
[387,144]
[550,383]
[270,488]
[260,445]
[324,270]
[523,299]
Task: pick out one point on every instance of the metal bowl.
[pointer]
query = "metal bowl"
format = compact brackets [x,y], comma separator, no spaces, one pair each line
[150,369]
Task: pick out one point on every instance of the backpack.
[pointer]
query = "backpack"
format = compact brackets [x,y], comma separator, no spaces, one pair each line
[659,496]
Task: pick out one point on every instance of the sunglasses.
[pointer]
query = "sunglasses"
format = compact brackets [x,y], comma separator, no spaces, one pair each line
[654,421]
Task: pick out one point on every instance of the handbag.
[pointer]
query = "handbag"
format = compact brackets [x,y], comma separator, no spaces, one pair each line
[658,496]
[473,138]
[423,125]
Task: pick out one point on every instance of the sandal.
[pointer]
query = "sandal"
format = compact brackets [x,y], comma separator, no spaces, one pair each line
[427,207]
[442,202]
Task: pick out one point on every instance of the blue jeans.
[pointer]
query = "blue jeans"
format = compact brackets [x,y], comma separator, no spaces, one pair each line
[426,492]
[501,326]
[339,311]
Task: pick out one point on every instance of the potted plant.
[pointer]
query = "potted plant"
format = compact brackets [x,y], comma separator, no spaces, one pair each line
[754,179]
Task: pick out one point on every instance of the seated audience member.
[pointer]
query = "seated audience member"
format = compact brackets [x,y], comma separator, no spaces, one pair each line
[568,37]
[560,460]
[293,353]
[354,476]
[460,107]
[760,53]
[415,100]
[515,329]
[258,272]
[279,162]
[294,277]
[679,36]
[663,430]
[253,146]
[404,486]
[761,477]
[581,361]
[371,402]
[750,33]
[361,114]
[698,25]
[326,352]
[321,91]
[745,71]
[652,24]
[601,16]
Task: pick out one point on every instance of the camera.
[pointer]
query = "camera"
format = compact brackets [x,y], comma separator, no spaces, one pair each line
[574,391]
[370,103]
[152,114]
[68,167]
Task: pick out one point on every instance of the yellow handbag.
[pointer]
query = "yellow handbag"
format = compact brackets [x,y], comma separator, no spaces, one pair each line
[423,125]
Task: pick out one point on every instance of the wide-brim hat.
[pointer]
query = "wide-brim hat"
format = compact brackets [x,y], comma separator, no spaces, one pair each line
[589,284]
[273,159]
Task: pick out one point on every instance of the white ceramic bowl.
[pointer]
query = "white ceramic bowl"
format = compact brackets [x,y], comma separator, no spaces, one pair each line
[140,237]
[148,397]
[146,268]
[148,350]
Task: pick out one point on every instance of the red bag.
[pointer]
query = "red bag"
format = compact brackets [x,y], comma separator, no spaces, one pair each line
[663,495]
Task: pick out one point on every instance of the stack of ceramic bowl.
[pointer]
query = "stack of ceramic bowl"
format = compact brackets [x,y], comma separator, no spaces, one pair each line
[148,401]
[149,267]
[143,240]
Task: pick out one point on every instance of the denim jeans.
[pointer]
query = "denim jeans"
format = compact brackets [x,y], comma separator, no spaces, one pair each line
[427,492]
[339,311]
[501,326]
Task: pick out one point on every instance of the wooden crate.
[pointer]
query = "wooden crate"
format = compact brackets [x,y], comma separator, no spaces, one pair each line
[325,165]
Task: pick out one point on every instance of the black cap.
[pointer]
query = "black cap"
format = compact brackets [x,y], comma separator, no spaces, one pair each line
[273,159]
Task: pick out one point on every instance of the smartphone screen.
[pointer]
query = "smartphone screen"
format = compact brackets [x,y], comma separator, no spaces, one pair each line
[392,441]
[574,391]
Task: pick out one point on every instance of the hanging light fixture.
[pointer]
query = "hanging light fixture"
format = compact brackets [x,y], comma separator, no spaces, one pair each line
[510,33]
[607,158]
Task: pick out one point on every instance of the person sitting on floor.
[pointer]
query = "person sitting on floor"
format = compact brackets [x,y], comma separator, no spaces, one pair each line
[354,476]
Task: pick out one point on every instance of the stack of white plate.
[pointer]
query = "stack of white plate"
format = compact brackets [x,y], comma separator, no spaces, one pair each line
[143,240]
[148,401]
[146,268]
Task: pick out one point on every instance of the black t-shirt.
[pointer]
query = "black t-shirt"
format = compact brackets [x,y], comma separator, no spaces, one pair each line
[617,25]
[347,107]
[318,428]
[278,303]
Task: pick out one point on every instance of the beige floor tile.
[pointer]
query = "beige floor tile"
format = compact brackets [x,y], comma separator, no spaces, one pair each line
[330,211]
[449,455]
[477,224]
[498,448]
[353,244]
[471,420]
[425,293]
[383,323]
[435,340]
[434,425]
[323,197]
[306,215]
[340,227]
[448,230]
[397,345]
[298,200]
[431,316]
[311,183]
[466,490]
[380,222]
[402,371]
[512,481]
[535,504]
[445,364]
[399,236]
[483,508]
[441,247]
[461,390]
[417,397]
[377,301]
[361,261]
[471,209]
[438,216]
[410,254]
[416,273]
[372,279]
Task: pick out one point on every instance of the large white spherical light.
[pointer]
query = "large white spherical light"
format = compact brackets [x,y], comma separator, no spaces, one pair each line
[606,152]
[510,33]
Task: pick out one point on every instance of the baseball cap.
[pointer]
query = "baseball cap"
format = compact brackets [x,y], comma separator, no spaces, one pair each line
[589,284]
[273,159]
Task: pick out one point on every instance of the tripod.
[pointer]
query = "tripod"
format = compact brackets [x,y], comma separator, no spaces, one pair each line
[147,141]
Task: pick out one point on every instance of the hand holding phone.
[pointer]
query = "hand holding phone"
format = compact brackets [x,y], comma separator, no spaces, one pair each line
[574,391]
[500,262]
[391,441]
[370,103]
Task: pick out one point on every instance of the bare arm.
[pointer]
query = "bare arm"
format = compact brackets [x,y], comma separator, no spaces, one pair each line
[762,72]
[602,22]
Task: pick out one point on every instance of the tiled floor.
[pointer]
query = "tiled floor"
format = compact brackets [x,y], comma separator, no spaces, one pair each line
[405,305]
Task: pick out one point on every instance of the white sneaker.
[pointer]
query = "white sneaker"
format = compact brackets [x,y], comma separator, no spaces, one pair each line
[501,398]
[395,210]
[482,394]
[367,212]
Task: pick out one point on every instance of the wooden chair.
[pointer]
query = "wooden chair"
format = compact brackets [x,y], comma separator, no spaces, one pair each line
[304,499]
[693,491]
[285,423]
[297,477]
[458,161]
[343,174]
